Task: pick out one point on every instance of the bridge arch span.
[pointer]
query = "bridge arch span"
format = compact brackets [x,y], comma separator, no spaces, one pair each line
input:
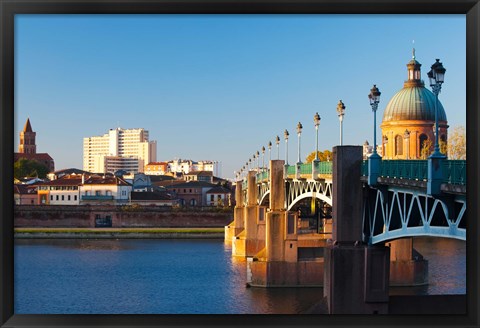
[437,232]
[310,194]
[264,197]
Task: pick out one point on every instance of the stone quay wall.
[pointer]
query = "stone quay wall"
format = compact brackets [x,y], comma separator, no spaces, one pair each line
[83,216]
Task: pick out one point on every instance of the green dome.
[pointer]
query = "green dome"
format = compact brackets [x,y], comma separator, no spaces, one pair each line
[413,103]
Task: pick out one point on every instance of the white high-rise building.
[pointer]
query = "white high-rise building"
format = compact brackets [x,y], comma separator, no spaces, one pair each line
[119,149]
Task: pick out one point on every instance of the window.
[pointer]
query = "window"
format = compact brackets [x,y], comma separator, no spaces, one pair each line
[192,202]
[219,197]
[57,197]
[212,197]
[51,197]
[69,197]
[398,145]
[63,197]
[75,197]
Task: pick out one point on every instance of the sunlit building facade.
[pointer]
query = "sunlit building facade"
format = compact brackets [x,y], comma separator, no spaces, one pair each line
[119,149]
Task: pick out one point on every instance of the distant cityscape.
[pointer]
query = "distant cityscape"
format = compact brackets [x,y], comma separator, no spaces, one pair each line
[119,168]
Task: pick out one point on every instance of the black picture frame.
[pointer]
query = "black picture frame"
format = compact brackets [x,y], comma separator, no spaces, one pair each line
[8,8]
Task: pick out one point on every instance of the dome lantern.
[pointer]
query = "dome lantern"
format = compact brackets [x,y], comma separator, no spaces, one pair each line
[414,74]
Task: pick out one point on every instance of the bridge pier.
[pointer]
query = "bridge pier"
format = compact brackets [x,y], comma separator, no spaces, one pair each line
[277,264]
[356,275]
[237,225]
[407,266]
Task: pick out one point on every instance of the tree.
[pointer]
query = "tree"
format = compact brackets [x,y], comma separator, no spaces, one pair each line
[426,149]
[443,147]
[322,156]
[29,168]
[457,143]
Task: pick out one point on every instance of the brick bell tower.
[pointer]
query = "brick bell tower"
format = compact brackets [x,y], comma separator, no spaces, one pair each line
[27,140]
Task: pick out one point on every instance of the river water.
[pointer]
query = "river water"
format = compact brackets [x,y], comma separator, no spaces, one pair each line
[68,276]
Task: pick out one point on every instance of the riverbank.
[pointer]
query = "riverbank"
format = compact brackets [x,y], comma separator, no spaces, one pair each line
[119,233]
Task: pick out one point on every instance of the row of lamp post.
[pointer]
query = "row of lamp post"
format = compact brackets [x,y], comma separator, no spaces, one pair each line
[436,76]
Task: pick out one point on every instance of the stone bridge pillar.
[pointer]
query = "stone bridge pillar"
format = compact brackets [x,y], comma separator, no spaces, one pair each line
[356,275]
[275,225]
[251,216]
[237,226]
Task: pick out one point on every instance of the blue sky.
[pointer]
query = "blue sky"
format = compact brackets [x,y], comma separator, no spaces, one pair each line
[220,87]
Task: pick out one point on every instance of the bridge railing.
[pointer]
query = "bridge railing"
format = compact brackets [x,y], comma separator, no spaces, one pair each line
[306,168]
[454,171]
[405,169]
[262,176]
[291,170]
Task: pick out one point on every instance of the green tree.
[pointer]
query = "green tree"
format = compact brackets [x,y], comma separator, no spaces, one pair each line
[29,168]
[457,143]
[322,156]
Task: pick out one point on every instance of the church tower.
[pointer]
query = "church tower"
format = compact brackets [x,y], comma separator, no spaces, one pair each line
[27,140]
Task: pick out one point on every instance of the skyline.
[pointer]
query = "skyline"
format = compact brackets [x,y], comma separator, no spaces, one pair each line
[219,87]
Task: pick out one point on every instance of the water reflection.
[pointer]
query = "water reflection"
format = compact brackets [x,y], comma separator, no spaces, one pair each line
[177,277]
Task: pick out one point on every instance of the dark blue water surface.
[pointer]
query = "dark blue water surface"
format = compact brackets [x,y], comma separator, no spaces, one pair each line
[67,276]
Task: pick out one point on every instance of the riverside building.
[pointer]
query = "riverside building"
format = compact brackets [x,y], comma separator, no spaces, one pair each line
[119,149]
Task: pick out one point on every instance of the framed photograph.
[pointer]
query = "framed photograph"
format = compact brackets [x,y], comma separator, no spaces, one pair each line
[191,163]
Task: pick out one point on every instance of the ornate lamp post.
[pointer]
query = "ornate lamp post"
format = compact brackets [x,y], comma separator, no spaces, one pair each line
[436,76]
[277,141]
[299,133]
[374,97]
[316,120]
[263,158]
[269,151]
[406,135]
[374,161]
[286,134]
[341,113]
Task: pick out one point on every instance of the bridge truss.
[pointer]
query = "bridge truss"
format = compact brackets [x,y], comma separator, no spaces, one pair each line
[392,212]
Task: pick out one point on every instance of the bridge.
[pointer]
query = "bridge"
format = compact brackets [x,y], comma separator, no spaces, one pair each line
[301,225]
[397,206]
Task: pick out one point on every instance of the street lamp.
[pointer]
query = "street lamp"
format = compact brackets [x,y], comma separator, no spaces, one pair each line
[263,158]
[277,141]
[316,120]
[406,135]
[269,151]
[286,134]
[299,133]
[341,113]
[436,76]
[374,97]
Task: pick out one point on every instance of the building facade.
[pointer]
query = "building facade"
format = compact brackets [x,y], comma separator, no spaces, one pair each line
[408,124]
[119,149]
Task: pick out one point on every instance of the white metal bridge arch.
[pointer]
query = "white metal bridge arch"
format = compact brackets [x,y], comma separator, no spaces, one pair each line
[390,212]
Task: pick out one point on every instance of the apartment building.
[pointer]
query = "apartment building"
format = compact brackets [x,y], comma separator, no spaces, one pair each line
[119,149]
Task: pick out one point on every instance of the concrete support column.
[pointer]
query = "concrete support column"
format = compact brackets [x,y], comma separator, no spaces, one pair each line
[347,194]
[275,225]
[250,211]
[435,175]
[239,223]
[277,186]
[407,266]
[356,276]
